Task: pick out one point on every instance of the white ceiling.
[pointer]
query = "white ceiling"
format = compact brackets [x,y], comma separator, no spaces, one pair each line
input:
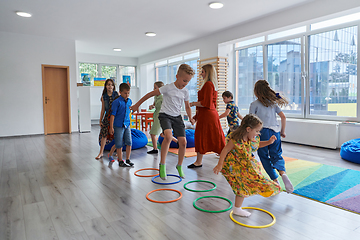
[98,26]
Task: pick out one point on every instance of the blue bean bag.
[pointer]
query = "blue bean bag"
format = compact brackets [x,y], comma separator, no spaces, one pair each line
[139,140]
[350,150]
[190,140]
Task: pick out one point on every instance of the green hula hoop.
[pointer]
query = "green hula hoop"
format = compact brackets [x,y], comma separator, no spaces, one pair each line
[200,190]
[210,211]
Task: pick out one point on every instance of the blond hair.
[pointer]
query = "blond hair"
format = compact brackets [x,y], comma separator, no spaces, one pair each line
[267,96]
[210,75]
[186,69]
[159,84]
[251,121]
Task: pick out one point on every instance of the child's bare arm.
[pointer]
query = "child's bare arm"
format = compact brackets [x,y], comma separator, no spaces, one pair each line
[268,142]
[227,111]
[102,111]
[230,145]
[196,104]
[240,116]
[111,130]
[283,124]
[135,107]
[188,112]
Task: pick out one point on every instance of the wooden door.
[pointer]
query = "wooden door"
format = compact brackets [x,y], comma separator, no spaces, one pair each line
[56,99]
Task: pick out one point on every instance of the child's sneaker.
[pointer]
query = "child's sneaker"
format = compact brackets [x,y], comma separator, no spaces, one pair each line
[129,162]
[123,164]
[162,170]
[111,161]
[180,170]
[153,151]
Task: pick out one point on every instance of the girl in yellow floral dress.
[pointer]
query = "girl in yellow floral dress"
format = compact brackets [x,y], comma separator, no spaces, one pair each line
[240,168]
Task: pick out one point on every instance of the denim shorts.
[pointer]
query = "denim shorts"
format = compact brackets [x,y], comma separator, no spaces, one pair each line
[122,136]
[174,123]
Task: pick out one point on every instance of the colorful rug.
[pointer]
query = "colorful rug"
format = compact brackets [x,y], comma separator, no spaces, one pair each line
[335,186]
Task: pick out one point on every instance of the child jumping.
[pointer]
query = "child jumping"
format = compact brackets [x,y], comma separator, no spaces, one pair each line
[156,128]
[232,111]
[120,125]
[174,94]
[266,107]
[240,168]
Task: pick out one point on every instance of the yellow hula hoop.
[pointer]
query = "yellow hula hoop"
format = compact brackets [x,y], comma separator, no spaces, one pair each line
[249,226]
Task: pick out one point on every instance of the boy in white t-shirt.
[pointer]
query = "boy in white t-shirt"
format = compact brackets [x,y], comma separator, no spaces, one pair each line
[174,94]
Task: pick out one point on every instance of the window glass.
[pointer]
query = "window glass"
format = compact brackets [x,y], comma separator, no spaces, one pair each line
[335,21]
[333,72]
[161,74]
[192,85]
[108,72]
[127,75]
[250,69]
[287,33]
[88,71]
[249,42]
[284,72]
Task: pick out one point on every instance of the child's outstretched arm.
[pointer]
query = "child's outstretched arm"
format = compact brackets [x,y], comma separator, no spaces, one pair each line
[268,142]
[188,112]
[135,107]
[240,116]
[283,124]
[111,130]
[230,145]
[227,111]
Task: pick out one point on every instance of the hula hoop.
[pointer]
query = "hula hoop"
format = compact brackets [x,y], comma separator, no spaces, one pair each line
[249,226]
[210,211]
[208,190]
[173,175]
[138,175]
[163,189]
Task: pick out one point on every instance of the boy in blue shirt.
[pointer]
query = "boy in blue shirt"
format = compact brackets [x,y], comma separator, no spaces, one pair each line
[120,125]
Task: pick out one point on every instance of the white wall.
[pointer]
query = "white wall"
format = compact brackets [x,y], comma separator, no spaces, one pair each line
[21,105]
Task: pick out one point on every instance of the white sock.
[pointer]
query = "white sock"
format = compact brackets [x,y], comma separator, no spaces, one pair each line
[288,185]
[240,212]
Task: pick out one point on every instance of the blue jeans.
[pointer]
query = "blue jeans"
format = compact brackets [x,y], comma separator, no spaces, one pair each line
[270,156]
[122,135]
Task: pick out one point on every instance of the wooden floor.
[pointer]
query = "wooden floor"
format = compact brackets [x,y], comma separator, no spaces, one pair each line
[51,187]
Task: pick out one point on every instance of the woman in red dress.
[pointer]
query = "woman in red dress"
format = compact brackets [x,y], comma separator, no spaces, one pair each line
[209,136]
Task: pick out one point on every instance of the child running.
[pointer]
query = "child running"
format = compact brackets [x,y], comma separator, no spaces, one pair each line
[266,107]
[232,111]
[240,168]
[156,128]
[120,125]
[174,94]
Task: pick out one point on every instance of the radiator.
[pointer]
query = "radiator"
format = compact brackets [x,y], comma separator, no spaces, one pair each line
[312,132]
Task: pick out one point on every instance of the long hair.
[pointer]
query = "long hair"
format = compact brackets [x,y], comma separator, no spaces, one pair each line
[106,82]
[267,96]
[210,75]
[250,120]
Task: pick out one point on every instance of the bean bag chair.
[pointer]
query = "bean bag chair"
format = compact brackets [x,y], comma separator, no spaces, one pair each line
[190,139]
[350,150]
[139,140]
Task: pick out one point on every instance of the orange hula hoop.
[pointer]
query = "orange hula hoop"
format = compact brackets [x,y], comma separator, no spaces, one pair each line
[138,175]
[163,189]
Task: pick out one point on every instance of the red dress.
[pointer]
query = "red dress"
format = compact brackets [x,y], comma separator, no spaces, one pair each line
[209,136]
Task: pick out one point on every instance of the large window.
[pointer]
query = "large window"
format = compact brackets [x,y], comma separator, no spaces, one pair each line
[333,72]
[95,74]
[323,88]
[284,72]
[166,70]
[250,69]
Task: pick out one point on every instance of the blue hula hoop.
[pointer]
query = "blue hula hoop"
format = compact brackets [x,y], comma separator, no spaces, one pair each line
[162,183]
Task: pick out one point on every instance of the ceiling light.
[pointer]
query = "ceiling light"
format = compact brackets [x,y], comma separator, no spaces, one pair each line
[150,34]
[23,14]
[117,49]
[216,5]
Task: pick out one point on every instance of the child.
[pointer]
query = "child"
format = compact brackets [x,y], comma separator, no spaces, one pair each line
[240,168]
[108,96]
[232,111]
[266,107]
[155,128]
[120,125]
[174,94]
